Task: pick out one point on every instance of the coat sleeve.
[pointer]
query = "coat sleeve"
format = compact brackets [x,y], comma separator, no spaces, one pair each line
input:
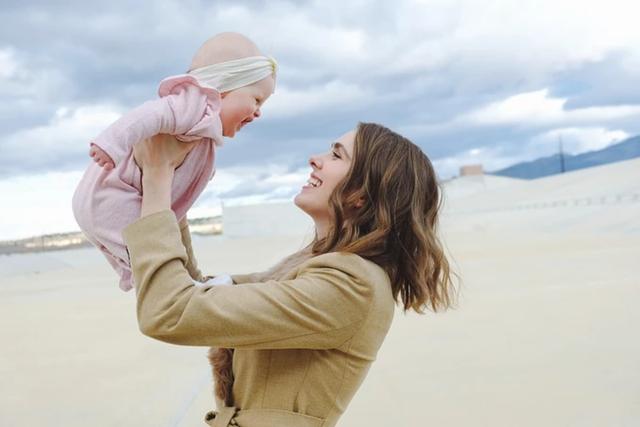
[239,279]
[186,111]
[263,276]
[321,308]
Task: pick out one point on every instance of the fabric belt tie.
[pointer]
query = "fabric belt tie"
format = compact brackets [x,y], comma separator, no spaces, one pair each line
[230,416]
[222,418]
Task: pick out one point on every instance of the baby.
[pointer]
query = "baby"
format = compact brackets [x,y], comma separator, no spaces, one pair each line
[228,82]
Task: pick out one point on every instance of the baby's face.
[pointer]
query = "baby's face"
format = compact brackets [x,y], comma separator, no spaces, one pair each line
[241,106]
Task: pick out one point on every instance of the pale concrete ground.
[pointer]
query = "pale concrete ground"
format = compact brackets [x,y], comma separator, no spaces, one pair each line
[544,334]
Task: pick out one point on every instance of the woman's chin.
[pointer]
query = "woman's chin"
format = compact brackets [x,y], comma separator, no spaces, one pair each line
[300,201]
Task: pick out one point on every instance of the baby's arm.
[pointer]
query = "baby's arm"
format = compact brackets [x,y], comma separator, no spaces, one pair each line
[186,112]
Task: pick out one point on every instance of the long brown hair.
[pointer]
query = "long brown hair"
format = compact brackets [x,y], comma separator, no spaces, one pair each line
[386,210]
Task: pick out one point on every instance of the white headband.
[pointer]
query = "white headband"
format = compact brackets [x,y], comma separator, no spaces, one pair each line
[231,75]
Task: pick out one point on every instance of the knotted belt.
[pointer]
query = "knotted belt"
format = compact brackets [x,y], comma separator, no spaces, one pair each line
[230,416]
[222,418]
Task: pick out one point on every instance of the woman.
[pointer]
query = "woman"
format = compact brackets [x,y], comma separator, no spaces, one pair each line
[304,333]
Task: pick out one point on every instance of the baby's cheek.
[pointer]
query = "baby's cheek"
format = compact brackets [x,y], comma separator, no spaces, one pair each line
[251,108]
[232,116]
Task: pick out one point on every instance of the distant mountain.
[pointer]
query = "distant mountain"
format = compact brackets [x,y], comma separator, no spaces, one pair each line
[545,166]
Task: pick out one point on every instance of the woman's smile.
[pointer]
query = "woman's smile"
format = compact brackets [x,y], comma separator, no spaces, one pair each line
[313,182]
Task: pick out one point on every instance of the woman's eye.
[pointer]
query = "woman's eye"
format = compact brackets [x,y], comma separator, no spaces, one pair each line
[335,154]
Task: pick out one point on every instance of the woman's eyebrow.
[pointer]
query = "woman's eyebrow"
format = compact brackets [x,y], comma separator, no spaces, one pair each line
[339,146]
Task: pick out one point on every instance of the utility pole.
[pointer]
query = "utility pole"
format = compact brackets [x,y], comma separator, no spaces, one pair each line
[562,168]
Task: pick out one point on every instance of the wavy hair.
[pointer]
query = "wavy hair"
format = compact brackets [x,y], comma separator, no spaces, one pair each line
[386,210]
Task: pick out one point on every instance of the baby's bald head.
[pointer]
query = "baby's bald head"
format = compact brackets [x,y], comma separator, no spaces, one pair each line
[224,47]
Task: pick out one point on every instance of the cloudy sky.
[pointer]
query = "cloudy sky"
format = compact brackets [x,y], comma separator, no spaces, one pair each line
[470,82]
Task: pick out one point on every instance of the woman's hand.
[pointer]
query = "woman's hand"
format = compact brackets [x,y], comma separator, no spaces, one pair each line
[158,157]
[161,152]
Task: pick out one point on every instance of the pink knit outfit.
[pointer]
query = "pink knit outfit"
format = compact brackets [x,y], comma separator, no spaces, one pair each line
[105,202]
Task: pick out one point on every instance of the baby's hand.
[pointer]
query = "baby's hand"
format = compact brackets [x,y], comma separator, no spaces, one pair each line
[101,158]
[220,280]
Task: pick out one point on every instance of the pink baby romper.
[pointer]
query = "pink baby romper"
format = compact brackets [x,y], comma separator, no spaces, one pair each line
[105,202]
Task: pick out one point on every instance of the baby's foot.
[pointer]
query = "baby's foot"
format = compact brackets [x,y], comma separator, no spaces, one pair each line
[101,158]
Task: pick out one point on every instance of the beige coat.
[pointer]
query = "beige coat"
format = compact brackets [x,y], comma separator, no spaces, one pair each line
[303,344]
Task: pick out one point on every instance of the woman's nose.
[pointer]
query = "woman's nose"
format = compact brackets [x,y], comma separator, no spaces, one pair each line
[257,113]
[315,162]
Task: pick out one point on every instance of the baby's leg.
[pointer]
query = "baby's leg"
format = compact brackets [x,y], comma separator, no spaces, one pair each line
[120,266]
[103,206]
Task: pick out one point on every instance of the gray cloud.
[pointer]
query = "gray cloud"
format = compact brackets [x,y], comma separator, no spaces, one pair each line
[613,80]
[418,73]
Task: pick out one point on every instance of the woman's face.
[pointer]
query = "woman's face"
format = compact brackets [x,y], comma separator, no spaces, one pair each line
[328,169]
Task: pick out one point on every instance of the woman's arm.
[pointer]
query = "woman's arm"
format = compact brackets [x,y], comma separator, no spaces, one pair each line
[286,264]
[156,195]
[322,307]
[158,157]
